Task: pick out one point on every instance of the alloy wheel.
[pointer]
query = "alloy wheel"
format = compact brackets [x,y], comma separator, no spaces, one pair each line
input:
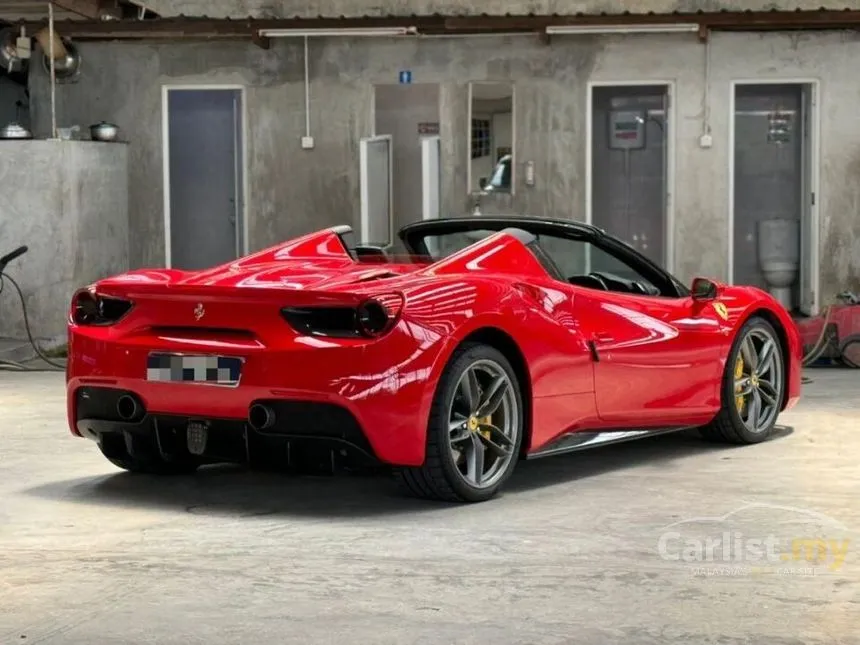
[483,423]
[758,380]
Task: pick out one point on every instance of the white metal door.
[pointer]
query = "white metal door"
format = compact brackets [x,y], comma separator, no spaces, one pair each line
[430,177]
[808,219]
[376,190]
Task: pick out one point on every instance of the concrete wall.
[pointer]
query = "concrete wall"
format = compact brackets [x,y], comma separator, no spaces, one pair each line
[68,202]
[314,8]
[292,191]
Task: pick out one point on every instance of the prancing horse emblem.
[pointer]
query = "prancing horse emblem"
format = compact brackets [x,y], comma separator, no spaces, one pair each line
[199,311]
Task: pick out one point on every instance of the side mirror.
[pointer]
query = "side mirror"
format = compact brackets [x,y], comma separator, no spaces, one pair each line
[482,182]
[704,289]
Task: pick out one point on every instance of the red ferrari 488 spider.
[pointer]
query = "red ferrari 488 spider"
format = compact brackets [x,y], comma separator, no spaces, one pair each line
[490,340]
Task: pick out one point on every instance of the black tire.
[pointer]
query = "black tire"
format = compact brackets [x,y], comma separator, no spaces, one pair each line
[439,478]
[849,351]
[728,426]
[145,461]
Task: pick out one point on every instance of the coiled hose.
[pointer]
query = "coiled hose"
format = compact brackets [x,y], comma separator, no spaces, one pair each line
[55,367]
[821,344]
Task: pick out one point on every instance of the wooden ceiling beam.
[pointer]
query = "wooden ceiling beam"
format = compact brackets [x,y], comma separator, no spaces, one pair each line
[261,41]
[821,19]
[87,8]
[203,28]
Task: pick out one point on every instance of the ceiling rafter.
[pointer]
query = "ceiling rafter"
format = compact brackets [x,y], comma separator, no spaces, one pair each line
[188,28]
[87,8]
[36,12]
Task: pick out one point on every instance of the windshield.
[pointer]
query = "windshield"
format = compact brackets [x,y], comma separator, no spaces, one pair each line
[569,251]
[501,178]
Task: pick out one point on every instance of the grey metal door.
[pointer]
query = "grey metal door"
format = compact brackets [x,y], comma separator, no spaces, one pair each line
[769,169]
[205,143]
[809,266]
[629,165]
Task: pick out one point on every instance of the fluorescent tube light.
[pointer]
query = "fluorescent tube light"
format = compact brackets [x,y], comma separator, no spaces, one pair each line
[348,31]
[622,29]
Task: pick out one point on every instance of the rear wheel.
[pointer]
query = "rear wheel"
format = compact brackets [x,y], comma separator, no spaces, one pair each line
[475,429]
[137,455]
[753,387]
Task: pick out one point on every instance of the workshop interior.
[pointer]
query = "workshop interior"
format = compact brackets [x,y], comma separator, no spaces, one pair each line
[341,316]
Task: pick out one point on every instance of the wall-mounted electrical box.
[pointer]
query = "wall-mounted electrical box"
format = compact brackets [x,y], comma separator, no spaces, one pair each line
[626,129]
[530,173]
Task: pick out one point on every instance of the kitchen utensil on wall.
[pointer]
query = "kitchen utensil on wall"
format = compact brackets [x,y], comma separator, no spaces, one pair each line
[104,132]
[67,134]
[66,67]
[43,37]
[15,131]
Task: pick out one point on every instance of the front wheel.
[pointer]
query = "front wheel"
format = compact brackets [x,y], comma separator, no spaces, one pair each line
[475,429]
[753,387]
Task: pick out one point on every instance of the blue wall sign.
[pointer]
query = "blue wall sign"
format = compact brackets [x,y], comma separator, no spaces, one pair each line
[405,77]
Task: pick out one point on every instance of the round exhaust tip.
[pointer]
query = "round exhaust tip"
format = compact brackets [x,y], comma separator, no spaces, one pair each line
[261,417]
[127,407]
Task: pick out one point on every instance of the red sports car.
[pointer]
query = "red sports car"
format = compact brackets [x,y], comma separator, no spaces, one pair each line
[489,340]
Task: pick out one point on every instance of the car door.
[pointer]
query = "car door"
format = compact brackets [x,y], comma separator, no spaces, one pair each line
[657,359]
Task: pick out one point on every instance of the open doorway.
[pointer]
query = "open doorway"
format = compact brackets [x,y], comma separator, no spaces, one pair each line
[773,238]
[204,176]
[630,165]
[408,115]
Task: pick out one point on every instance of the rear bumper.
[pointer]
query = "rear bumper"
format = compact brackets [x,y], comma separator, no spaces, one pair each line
[374,397]
[230,440]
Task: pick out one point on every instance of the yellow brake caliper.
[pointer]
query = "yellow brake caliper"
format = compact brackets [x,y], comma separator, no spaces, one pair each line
[486,421]
[739,372]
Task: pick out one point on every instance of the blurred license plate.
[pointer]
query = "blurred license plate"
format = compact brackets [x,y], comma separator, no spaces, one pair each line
[190,368]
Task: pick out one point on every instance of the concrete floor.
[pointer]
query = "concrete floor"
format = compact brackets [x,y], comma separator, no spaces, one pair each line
[570,553]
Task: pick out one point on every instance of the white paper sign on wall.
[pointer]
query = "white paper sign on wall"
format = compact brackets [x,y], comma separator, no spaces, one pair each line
[626,130]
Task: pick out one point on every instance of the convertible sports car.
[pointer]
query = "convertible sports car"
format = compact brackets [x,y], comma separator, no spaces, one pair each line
[490,340]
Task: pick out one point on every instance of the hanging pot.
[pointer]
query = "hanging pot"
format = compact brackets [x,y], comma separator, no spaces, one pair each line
[15,131]
[104,132]
[67,66]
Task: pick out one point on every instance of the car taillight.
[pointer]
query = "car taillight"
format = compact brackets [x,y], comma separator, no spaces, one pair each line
[372,318]
[89,308]
[378,315]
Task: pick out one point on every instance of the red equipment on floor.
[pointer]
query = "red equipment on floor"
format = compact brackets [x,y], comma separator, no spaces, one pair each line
[835,335]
